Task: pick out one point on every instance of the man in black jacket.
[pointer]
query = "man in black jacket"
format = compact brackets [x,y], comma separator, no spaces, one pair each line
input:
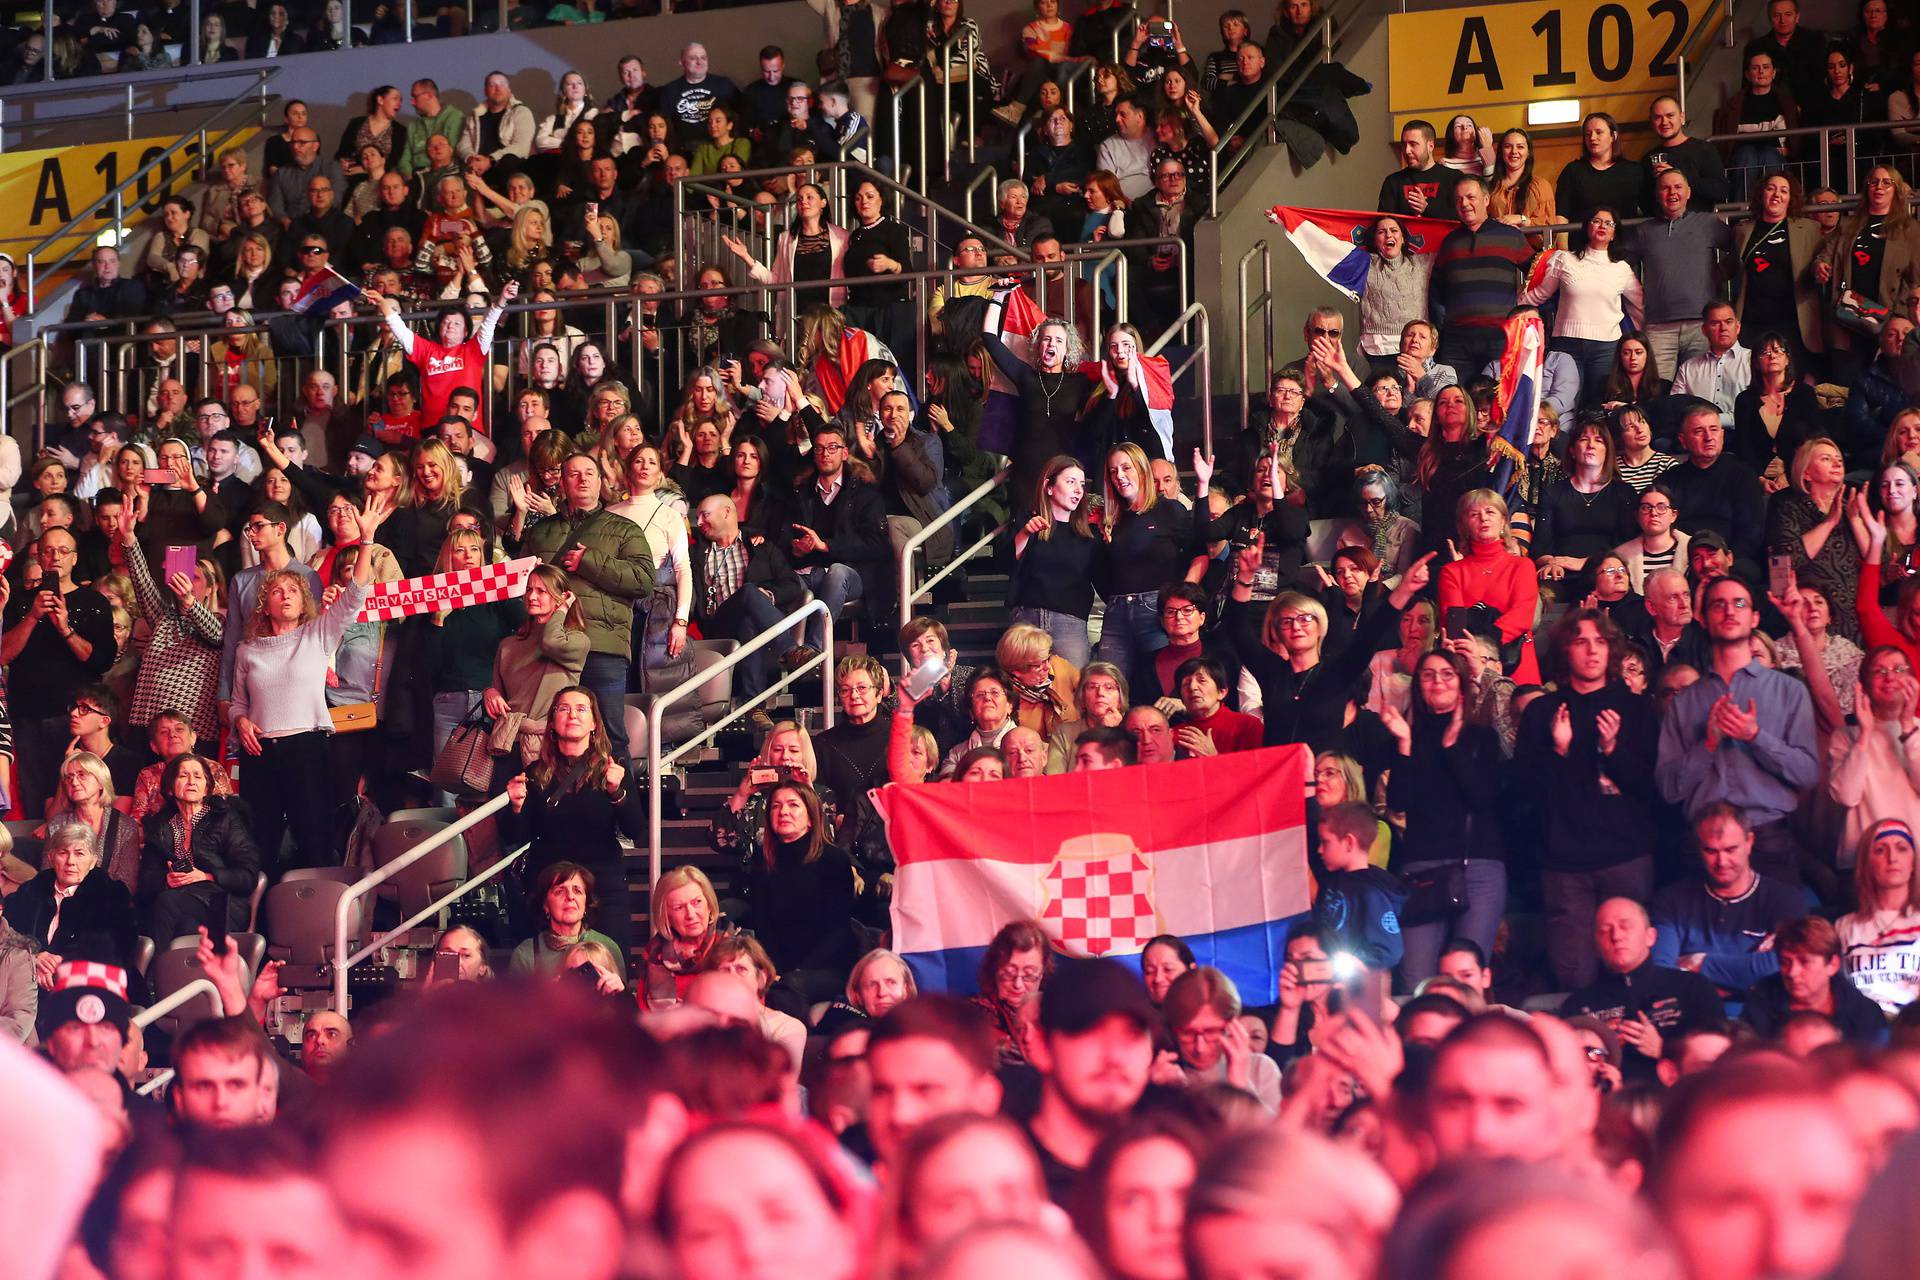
[839,537]
[909,467]
[1640,1000]
[740,587]
[1586,752]
[1810,982]
[110,295]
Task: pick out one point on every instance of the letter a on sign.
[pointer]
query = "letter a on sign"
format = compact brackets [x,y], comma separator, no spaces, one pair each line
[1474,57]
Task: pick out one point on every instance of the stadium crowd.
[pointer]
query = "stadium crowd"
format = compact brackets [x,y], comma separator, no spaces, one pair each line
[1612,942]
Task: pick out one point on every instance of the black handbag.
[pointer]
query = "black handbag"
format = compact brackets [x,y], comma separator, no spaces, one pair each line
[1435,895]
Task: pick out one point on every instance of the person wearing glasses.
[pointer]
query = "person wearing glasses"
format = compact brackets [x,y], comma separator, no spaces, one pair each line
[286,190]
[1743,735]
[57,639]
[265,529]
[1875,254]
[839,536]
[1013,973]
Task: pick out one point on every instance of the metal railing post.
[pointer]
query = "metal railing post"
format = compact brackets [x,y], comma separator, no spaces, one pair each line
[973,97]
[910,593]
[343,959]
[657,761]
[46,44]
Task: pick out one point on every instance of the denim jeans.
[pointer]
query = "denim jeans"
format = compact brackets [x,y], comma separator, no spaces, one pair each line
[606,676]
[1594,359]
[836,584]
[1069,633]
[1486,904]
[449,709]
[1132,630]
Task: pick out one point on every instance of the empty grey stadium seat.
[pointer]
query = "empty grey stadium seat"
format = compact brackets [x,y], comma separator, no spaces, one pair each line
[442,867]
[299,916]
[173,969]
[689,716]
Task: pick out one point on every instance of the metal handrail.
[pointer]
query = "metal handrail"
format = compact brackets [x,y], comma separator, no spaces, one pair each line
[88,90]
[657,712]
[1260,305]
[379,876]
[988,175]
[198,987]
[1694,48]
[117,196]
[969,37]
[1203,354]
[908,592]
[915,88]
[33,392]
[438,905]
[1826,133]
[1227,162]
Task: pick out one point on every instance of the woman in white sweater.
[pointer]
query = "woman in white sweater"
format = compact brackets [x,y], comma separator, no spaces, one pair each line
[664,521]
[1596,289]
[279,710]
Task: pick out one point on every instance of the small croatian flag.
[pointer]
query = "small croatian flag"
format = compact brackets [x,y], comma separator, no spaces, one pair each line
[322,291]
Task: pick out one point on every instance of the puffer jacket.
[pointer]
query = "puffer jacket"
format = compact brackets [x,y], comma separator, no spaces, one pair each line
[615,572]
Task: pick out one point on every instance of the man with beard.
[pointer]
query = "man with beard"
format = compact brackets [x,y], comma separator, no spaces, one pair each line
[1093,1053]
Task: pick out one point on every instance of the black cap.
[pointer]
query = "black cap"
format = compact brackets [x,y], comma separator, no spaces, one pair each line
[1709,538]
[1082,992]
[369,446]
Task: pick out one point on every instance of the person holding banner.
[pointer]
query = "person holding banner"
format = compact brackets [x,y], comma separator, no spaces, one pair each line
[279,710]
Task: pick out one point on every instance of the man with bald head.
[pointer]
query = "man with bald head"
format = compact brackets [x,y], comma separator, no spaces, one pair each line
[1026,753]
[1640,1000]
[739,588]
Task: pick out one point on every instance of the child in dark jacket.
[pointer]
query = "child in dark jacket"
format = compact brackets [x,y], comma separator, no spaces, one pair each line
[1358,903]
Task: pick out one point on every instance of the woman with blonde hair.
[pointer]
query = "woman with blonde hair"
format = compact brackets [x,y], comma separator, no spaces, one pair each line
[570,107]
[1492,577]
[686,923]
[279,710]
[609,401]
[1147,544]
[86,797]
[704,399]
[786,752]
[833,352]
[531,239]
[1042,683]
[461,644]
[1807,522]
[617,441]
[661,621]
[1339,779]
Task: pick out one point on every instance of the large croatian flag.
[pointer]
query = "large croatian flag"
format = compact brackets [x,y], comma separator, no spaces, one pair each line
[1213,851]
[1337,242]
[1517,403]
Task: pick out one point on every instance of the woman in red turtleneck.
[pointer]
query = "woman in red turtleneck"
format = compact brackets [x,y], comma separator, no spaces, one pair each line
[1487,572]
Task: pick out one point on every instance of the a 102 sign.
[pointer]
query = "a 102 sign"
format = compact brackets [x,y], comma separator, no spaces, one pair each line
[1514,53]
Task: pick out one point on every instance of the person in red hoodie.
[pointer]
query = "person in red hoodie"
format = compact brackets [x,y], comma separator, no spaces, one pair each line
[1493,577]
[1208,727]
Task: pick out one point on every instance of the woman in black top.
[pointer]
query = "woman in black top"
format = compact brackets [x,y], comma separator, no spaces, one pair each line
[1455,459]
[1777,290]
[1049,390]
[1149,543]
[1587,514]
[801,894]
[574,803]
[1054,554]
[1304,690]
[878,247]
[1875,252]
[1775,415]
[73,909]
[198,857]
[1600,177]
[1447,781]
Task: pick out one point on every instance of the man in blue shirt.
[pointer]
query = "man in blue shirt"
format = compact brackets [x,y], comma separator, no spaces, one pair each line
[1721,927]
[1742,736]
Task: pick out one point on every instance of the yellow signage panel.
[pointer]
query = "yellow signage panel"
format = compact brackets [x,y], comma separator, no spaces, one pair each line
[1450,60]
[41,191]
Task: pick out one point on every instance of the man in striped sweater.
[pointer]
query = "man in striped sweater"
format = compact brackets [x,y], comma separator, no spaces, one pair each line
[1477,276]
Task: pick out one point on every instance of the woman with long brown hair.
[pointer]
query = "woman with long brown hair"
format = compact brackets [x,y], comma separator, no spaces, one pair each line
[573,804]
[1054,556]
